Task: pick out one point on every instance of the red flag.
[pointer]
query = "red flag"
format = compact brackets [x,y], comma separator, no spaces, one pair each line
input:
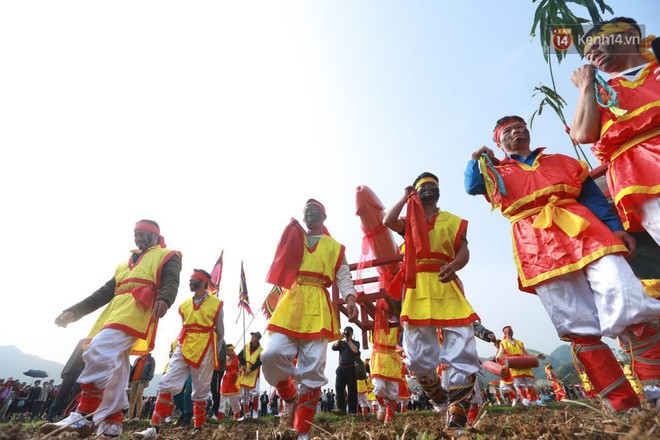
[216,275]
[243,300]
[271,301]
[288,256]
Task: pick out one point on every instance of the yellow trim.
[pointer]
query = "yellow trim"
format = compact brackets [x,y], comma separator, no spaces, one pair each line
[644,136]
[533,196]
[426,180]
[631,114]
[533,166]
[638,82]
[566,269]
[636,189]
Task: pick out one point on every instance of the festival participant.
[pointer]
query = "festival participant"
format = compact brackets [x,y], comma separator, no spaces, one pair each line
[196,354]
[385,362]
[403,396]
[140,292]
[569,249]
[364,386]
[435,250]
[557,386]
[229,387]
[250,361]
[306,264]
[626,134]
[523,378]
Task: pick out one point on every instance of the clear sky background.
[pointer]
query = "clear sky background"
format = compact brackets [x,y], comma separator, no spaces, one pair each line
[220,119]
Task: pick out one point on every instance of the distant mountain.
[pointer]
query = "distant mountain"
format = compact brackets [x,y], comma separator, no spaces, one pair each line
[13,362]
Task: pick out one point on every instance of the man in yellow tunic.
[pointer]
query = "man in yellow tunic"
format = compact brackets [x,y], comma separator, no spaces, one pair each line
[250,361]
[141,291]
[435,250]
[304,321]
[195,355]
[523,378]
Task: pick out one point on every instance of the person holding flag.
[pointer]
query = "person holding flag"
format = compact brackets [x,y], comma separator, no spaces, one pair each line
[435,250]
[141,291]
[250,361]
[304,322]
[196,354]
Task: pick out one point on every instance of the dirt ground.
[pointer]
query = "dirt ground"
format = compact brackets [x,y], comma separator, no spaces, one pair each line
[558,421]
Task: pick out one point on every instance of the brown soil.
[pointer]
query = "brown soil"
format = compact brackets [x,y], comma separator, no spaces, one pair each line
[556,422]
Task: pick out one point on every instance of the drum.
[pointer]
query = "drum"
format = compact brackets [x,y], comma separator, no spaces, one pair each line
[493,367]
[520,362]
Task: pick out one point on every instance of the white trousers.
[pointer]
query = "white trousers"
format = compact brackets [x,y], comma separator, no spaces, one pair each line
[363,402]
[458,351]
[234,402]
[505,388]
[651,218]
[526,382]
[603,298]
[177,372]
[277,360]
[108,367]
[386,389]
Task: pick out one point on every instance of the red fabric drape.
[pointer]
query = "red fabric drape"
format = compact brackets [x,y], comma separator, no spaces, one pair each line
[381,318]
[288,256]
[416,237]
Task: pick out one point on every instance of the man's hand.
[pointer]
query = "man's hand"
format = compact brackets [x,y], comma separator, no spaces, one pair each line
[65,319]
[160,308]
[477,154]
[629,241]
[447,273]
[351,308]
[583,76]
[407,191]
[491,337]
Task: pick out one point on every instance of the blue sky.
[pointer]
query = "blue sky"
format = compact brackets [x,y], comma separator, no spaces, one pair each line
[219,120]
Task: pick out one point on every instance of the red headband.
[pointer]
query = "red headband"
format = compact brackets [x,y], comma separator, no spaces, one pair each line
[201,276]
[321,207]
[150,227]
[499,128]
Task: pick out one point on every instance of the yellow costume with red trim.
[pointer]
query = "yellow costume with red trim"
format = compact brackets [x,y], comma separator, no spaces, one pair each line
[364,386]
[431,302]
[248,379]
[630,145]
[541,204]
[131,309]
[305,310]
[512,348]
[198,333]
[229,385]
[385,361]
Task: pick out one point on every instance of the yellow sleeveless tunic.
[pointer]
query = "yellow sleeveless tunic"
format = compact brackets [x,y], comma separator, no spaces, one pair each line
[124,312]
[198,332]
[516,348]
[432,302]
[385,361]
[249,379]
[305,311]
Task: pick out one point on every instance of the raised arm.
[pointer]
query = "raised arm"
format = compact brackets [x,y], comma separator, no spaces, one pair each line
[586,121]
